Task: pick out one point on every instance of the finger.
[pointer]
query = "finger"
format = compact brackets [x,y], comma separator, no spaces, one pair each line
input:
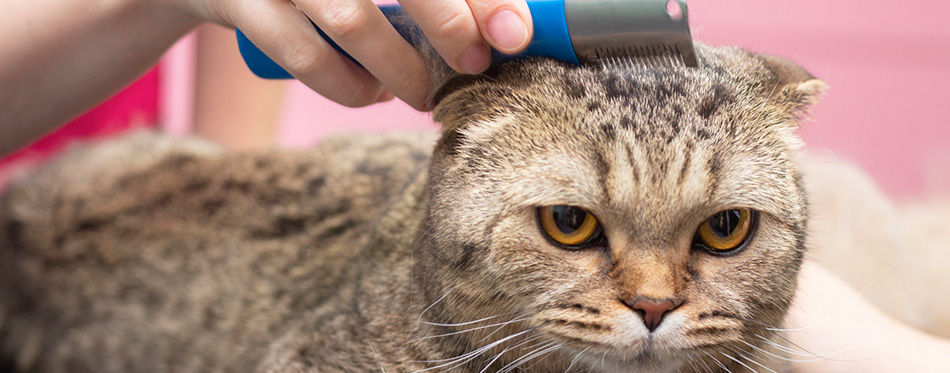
[385,96]
[361,29]
[506,24]
[284,34]
[451,29]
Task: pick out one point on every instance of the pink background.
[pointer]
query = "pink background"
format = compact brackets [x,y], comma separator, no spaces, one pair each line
[886,63]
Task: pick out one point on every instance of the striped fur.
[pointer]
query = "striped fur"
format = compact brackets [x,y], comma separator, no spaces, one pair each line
[368,253]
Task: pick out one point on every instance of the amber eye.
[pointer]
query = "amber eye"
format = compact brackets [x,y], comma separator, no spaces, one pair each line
[569,225]
[725,231]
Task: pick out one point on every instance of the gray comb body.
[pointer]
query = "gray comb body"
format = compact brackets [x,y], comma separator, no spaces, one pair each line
[644,32]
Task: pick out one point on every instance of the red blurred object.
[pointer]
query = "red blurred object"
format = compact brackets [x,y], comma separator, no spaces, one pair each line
[134,107]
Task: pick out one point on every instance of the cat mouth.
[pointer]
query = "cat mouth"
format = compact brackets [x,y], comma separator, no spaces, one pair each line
[647,355]
[650,353]
[646,359]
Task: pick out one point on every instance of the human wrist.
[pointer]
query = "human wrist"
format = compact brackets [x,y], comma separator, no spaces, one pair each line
[98,46]
[174,15]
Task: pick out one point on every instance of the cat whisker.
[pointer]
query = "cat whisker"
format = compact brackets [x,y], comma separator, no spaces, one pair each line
[692,363]
[784,358]
[825,356]
[770,356]
[536,348]
[844,339]
[540,351]
[747,321]
[575,359]
[544,355]
[425,232]
[701,361]
[721,365]
[772,92]
[738,361]
[467,322]
[786,348]
[521,317]
[418,320]
[777,332]
[804,351]
[471,355]
[412,274]
[529,340]
[857,296]
[501,324]
[750,359]
[705,366]
[376,355]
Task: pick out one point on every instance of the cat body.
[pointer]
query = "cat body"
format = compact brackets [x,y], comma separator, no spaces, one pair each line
[419,252]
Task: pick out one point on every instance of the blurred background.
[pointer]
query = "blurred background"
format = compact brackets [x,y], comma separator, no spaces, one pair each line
[888,67]
[887,63]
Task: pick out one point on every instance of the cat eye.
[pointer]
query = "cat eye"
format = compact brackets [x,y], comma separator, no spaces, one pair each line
[569,226]
[726,231]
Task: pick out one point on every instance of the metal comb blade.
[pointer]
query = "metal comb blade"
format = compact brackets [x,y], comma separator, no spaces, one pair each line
[650,33]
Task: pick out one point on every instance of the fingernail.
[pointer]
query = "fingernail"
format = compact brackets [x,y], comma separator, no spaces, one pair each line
[507,31]
[475,59]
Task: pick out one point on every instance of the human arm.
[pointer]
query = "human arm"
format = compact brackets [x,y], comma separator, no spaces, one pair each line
[233,107]
[61,57]
[835,330]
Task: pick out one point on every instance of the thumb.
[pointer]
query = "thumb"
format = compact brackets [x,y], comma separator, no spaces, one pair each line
[505,24]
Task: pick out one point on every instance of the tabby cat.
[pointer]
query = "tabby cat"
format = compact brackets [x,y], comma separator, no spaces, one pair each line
[602,218]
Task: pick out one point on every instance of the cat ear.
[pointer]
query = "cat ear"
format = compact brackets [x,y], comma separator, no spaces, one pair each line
[443,80]
[440,73]
[790,85]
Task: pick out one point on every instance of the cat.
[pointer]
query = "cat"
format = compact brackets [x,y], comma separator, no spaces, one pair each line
[602,217]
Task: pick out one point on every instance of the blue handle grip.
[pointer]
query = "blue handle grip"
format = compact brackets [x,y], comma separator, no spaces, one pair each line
[551,39]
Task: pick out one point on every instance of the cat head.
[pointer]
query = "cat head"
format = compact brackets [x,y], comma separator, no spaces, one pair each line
[627,215]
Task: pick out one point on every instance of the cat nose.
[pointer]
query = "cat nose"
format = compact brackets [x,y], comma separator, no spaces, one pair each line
[652,310]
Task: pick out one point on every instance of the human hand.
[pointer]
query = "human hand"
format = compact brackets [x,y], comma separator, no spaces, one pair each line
[830,328]
[460,30]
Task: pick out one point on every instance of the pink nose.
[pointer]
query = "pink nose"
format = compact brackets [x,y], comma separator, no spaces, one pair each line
[652,310]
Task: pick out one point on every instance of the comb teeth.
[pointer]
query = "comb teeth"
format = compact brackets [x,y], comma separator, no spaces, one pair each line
[648,62]
[650,56]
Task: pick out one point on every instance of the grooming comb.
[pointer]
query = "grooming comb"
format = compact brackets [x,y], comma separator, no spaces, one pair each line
[645,32]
